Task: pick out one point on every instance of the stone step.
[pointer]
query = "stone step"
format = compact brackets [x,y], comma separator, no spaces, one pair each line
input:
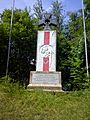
[45,87]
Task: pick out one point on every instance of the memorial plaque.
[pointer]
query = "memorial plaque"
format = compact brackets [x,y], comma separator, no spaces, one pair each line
[53,78]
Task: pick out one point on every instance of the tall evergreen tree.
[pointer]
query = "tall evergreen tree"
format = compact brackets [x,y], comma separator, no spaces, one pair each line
[76,56]
[38,9]
[57,13]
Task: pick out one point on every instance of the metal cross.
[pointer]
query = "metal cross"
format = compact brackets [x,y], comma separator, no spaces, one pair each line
[47,21]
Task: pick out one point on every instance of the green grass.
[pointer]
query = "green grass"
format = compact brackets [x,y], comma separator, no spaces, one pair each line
[19,104]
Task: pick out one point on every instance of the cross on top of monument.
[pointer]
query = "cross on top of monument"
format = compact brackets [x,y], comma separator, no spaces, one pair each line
[47,21]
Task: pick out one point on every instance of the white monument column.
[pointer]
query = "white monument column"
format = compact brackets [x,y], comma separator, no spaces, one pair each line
[46,51]
[45,77]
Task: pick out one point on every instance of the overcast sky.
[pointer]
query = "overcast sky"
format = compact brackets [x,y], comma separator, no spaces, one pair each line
[68,5]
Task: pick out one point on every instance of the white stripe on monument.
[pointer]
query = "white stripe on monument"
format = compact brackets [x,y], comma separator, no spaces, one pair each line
[40,42]
[52,58]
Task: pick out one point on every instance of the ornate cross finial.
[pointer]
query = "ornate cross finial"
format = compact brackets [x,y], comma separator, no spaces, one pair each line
[47,21]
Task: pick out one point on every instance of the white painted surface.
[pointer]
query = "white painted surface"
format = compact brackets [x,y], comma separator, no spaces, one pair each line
[46,51]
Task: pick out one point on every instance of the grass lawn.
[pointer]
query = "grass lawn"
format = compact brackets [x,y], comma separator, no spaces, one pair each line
[19,104]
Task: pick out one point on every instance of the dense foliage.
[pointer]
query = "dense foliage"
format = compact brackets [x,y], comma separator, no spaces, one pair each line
[70,44]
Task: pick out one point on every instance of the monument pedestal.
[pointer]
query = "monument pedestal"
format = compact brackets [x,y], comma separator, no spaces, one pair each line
[47,81]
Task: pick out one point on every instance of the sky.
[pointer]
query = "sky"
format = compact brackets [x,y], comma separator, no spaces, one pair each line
[68,5]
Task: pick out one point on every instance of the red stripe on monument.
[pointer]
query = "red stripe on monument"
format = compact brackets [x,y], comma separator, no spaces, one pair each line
[46,59]
[46,38]
[46,64]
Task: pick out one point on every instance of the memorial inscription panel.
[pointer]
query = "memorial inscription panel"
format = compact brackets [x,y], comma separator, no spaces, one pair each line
[46,78]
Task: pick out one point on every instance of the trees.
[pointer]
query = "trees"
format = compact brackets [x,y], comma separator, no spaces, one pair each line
[38,9]
[3,49]
[23,43]
[57,13]
[87,19]
[77,53]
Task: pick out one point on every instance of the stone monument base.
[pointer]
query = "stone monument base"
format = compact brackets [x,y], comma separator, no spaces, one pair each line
[47,81]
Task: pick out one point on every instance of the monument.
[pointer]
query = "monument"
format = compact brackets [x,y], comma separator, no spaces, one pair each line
[45,77]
